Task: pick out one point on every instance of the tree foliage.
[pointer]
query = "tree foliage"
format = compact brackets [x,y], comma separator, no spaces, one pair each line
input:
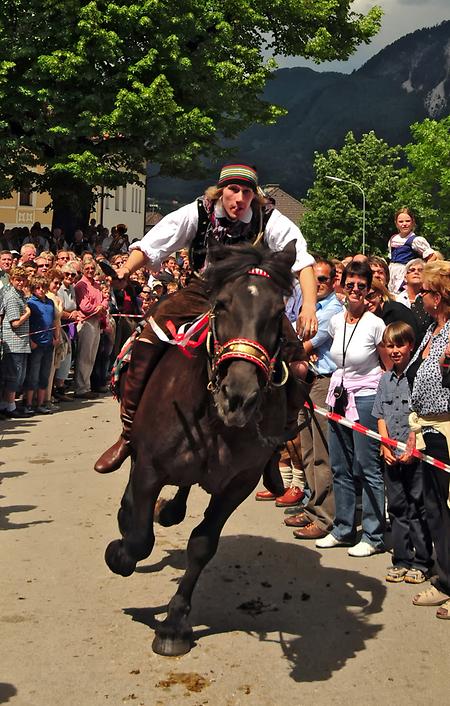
[90,89]
[426,185]
[333,222]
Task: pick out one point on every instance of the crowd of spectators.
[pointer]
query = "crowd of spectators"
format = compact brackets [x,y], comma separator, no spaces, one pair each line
[62,322]
[378,356]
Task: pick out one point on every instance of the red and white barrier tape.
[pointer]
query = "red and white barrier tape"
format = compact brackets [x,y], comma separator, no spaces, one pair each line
[355,426]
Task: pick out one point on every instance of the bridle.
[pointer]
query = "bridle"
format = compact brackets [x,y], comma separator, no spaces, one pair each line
[242,349]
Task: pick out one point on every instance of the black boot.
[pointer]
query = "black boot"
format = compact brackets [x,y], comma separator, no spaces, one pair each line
[144,358]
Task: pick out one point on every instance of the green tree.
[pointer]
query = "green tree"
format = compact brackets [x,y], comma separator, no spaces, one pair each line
[334,220]
[426,185]
[90,90]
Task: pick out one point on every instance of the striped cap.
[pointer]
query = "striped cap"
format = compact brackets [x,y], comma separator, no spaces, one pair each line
[238,174]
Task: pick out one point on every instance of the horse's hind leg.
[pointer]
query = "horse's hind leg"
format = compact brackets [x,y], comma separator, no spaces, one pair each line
[135,519]
[174,635]
[172,512]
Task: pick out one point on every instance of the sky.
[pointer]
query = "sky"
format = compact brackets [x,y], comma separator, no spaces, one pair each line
[400,17]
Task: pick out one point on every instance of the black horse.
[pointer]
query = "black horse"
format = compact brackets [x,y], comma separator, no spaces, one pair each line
[215,419]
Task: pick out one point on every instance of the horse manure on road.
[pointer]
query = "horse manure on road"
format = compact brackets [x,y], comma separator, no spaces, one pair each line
[257,607]
[191,680]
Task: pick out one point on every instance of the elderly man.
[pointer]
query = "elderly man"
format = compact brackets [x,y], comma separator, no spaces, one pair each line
[27,254]
[316,519]
[234,211]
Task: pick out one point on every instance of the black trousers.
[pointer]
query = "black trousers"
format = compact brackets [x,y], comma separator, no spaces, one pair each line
[411,537]
[436,489]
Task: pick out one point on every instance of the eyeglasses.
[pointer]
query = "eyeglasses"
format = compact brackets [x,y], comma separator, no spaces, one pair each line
[427,291]
[370,296]
[322,278]
[414,269]
[350,286]
[70,274]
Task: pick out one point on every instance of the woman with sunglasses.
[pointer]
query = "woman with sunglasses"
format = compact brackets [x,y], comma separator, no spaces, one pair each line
[357,335]
[430,402]
[380,302]
[411,296]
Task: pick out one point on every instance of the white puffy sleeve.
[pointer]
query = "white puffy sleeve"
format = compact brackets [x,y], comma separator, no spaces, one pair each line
[174,232]
[280,231]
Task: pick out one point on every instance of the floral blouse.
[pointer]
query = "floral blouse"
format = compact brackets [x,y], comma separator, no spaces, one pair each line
[427,395]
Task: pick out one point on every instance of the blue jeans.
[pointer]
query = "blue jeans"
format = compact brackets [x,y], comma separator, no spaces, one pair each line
[354,454]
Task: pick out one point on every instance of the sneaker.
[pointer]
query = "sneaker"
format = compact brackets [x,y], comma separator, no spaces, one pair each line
[263,495]
[28,411]
[52,407]
[13,413]
[43,410]
[86,395]
[330,541]
[363,549]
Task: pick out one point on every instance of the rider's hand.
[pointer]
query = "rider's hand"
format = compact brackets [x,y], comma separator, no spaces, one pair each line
[307,323]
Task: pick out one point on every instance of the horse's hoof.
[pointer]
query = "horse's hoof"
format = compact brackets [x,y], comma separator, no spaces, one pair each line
[159,506]
[118,559]
[168,513]
[172,647]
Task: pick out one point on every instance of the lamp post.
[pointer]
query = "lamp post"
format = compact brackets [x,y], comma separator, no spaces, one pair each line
[353,183]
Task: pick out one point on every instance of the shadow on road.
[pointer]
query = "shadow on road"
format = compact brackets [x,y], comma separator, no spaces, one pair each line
[6,511]
[6,692]
[279,592]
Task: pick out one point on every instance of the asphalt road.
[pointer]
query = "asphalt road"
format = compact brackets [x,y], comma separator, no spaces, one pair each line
[276,621]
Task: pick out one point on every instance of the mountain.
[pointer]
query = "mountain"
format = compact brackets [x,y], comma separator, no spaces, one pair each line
[406,82]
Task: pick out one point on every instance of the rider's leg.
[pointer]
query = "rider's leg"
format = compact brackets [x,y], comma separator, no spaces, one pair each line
[144,359]
[146,353]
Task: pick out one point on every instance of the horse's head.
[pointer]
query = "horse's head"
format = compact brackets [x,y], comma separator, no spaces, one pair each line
[248,286]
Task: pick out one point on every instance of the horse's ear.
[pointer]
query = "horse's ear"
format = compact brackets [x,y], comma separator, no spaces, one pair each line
[287,256]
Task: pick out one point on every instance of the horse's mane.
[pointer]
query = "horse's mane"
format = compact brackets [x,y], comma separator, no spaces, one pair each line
[232,261]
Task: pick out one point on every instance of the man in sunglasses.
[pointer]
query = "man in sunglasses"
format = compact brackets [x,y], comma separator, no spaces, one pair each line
[316,519]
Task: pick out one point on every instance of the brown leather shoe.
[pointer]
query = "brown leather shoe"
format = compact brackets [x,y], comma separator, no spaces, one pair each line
[309,531]
[113,457]
[299,520]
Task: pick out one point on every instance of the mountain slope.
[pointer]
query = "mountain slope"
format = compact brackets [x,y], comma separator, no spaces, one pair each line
[406,82]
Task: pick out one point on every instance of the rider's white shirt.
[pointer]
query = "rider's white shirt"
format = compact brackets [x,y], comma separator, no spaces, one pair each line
[177,230]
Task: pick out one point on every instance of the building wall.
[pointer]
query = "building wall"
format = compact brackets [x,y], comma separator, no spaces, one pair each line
[12,214]
[126,205]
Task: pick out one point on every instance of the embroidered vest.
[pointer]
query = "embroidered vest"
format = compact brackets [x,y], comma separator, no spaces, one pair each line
[404,253]
[224,230]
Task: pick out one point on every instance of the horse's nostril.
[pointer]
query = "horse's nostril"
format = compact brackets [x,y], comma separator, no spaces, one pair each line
[250,401]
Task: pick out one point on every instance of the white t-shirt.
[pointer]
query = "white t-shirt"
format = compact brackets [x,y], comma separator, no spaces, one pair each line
[361,357]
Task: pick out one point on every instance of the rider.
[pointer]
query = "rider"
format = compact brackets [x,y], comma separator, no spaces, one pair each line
[233,211]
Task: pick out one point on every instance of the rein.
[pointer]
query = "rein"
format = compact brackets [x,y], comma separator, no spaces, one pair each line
[242,349]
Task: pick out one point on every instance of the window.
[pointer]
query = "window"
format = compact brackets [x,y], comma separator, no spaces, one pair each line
[124,198]
[107,202]
[117,198]
[139,200]
[25,197]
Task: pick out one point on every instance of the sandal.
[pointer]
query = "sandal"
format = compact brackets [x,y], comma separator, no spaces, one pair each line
[431,596]
[415,576]
[395,574]
[444,611]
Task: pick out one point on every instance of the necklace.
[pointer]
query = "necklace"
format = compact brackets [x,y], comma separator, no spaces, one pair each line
[351,319]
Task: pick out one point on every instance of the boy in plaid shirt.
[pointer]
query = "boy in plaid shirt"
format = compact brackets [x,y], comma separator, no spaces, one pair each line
[16,343]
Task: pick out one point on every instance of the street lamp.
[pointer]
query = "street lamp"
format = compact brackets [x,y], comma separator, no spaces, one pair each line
[353,183]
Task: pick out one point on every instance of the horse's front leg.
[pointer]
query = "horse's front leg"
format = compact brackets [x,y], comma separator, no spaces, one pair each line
[135,519]
[174,635]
